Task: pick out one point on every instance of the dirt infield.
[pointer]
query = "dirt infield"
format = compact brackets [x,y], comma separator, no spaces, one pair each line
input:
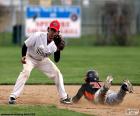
[47,94]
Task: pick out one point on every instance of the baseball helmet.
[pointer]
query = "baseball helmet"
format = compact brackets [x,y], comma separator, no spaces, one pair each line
[92,76]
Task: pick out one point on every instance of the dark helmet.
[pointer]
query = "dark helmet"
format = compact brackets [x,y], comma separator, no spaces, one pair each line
[92,76]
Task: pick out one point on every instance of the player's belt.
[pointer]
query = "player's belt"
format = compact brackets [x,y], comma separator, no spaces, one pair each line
[34,58]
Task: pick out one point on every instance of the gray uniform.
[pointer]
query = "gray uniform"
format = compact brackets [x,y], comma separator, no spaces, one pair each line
[105,96]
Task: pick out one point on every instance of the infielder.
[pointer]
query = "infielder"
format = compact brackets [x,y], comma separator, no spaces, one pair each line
[94,92]
[35,54]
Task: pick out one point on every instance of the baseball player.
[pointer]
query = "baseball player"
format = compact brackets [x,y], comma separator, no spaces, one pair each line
[35,54]
[94,92]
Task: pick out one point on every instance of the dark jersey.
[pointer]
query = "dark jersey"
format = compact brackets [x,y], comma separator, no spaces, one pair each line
[88,90]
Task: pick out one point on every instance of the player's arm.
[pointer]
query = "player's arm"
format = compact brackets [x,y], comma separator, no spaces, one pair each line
[79,94]
[57,56]
[24,51]
[60,43]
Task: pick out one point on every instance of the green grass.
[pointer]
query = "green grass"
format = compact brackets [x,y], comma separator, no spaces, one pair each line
[87,40]
[5,38]
[135,39]
[37,110]
[121,62]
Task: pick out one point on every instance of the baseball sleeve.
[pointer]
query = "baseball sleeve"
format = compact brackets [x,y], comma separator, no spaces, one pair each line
[24,50]
[31,40]
[57,56]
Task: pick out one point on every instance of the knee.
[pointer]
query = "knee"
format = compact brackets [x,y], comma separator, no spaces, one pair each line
[56,74]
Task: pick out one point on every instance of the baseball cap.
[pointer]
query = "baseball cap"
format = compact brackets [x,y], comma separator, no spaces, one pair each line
[55,25]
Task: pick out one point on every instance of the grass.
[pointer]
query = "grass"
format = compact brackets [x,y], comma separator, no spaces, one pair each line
[5,38]
[37,110]
[88,40]
[120,62]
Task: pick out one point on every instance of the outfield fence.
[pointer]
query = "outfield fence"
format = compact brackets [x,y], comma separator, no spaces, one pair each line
[99,18]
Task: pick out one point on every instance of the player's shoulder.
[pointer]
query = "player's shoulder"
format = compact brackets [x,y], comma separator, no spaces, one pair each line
[38,36]
[85,84]
[41,34]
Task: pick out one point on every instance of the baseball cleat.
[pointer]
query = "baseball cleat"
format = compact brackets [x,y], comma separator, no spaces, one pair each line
[12,100]
[68,100]
[127,86]
[108,82]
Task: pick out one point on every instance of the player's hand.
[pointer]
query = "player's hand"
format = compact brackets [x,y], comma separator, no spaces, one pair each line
[23,60]
[59,42]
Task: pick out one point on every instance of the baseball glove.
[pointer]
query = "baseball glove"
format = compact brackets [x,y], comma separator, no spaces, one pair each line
[59,42]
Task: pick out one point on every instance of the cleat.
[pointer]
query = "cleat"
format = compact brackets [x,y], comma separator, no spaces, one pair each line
[68,100]
[108,82]
[127,86]
[12,100]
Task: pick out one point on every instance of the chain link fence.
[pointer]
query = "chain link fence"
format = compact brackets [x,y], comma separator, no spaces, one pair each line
[102,18]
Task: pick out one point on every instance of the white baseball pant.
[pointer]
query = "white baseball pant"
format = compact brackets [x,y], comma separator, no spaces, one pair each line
[47,67]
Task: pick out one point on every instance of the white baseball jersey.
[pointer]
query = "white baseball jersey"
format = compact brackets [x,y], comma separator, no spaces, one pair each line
[38,46]
[37,57]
